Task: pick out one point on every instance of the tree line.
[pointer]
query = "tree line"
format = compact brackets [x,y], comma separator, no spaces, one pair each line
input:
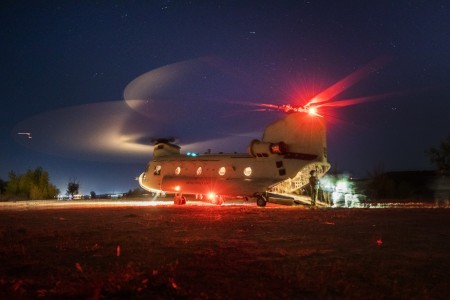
[419,184]
[34,184]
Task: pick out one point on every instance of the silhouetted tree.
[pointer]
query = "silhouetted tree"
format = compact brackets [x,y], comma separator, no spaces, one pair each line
[73,187]
[93,195]
[34,184]
[440,157]
[2,186]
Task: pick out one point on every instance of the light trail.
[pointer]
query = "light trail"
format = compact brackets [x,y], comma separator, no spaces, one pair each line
[168,203]
[348,81]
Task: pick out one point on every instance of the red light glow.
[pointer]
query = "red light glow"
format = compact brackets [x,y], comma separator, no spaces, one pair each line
[313,111]
[343,84]
[211,195]
[327,98]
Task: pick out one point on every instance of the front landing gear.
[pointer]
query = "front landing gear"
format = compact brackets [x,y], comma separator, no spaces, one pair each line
[261,200]
[179,199]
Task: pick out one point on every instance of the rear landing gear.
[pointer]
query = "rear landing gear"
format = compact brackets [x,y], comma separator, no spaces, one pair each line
[261,201]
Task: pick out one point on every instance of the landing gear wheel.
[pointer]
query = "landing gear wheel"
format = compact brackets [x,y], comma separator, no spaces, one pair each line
[261,201]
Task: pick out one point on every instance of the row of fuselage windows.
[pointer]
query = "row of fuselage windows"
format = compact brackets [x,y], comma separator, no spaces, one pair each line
[222,171]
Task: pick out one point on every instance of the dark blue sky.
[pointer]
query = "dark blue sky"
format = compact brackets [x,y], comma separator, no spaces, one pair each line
[65,66]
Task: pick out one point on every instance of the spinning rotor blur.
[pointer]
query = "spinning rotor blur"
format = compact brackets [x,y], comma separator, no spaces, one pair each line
[186,101]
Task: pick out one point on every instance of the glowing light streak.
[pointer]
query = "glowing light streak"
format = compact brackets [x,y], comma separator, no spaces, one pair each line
[347,81]
[360,100]
[25,133]
[153,202]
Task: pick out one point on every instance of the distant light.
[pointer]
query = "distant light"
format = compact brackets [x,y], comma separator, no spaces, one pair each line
[211,195]
[177,188]
[28,134]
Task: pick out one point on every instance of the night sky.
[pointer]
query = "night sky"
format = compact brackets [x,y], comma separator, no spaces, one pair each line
[94,83]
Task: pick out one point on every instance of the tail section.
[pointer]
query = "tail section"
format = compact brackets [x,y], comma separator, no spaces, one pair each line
[302,134]
[302,138]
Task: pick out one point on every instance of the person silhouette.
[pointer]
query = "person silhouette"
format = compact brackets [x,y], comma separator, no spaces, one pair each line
[314,185]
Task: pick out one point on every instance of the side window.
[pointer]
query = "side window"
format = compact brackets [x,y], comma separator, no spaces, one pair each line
[248,171]
[222,171]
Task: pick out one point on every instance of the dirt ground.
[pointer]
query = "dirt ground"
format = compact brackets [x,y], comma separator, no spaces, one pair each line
[136,250]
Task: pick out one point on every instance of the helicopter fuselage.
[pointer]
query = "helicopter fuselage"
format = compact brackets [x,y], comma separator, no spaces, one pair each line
[221,174]
[279,164]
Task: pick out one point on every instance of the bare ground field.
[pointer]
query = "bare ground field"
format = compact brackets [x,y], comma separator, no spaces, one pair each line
[135,250]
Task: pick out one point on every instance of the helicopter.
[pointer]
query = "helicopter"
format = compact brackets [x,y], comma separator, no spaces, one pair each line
[277,166]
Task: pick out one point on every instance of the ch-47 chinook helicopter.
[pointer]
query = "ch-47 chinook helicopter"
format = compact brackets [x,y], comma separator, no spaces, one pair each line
[278,165]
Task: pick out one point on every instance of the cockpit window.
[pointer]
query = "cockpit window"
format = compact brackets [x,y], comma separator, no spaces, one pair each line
[157,170]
